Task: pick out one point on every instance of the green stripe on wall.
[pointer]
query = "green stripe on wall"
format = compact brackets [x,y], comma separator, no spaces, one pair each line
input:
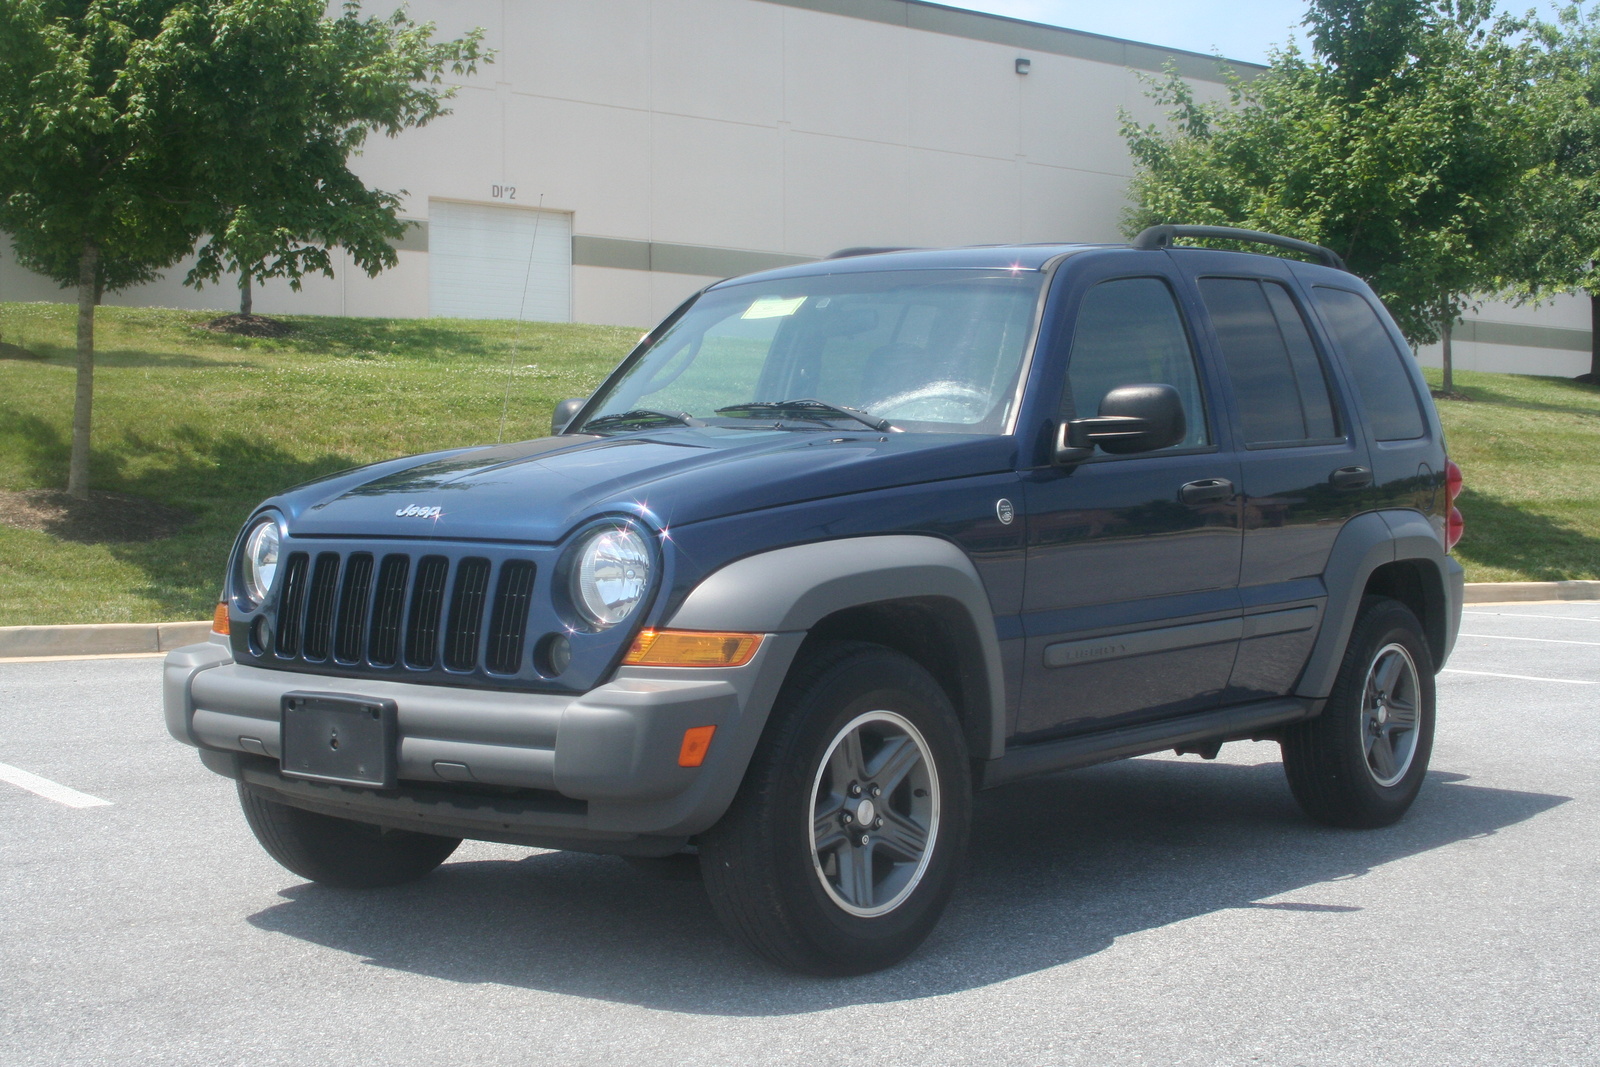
[622,254]
[1521,335]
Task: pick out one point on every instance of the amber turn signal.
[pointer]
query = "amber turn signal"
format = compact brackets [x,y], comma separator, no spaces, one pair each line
[691,648]
[219,618]
[696,740]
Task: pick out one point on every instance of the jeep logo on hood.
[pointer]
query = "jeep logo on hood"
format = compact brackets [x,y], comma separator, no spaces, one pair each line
[419,511]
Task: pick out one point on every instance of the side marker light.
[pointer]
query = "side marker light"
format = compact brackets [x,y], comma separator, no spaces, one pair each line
[219,619]
[691,648]
[696,740]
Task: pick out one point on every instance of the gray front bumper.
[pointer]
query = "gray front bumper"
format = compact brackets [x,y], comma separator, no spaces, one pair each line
[593,771]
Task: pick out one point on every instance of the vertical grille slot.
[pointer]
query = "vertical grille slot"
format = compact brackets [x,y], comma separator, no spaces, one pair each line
[291,605]
[350,636]
[388,605]
[508,624]
[320,604]
[427,603]
[466,614]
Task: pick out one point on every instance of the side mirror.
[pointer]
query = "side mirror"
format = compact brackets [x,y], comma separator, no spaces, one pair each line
[1133,418]
[563,414]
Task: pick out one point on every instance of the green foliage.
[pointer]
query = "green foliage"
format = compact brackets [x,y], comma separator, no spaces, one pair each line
[313,89]
[1414,140]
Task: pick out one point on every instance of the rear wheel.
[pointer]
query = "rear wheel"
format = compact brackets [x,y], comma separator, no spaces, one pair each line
[341,852]
[1362,761]
[842,848]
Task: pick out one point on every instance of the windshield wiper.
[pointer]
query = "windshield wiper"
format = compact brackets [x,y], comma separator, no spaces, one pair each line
[807,409]
[642,416]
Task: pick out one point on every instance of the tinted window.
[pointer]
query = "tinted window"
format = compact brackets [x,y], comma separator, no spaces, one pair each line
[1375,363]
[1129,332]
[1276,376]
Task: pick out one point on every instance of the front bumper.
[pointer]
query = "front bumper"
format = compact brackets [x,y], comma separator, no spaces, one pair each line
[597,772]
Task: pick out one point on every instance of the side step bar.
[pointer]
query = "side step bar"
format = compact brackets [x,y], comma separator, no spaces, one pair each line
[1025,761]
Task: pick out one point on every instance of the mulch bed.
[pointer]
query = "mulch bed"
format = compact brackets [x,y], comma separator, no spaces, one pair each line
[248,326]
[105,518]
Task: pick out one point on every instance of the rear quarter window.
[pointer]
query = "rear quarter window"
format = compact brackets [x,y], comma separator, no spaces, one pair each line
[1393,411]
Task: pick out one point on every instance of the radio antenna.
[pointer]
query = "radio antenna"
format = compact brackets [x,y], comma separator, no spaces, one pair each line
[516,336]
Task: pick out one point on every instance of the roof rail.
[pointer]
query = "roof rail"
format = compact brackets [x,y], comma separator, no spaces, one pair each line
[1162,237]
[865,250]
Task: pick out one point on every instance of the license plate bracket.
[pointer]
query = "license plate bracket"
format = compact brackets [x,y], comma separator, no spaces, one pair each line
[332,737]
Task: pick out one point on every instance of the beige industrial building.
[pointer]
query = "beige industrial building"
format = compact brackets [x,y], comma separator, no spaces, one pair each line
[620,154]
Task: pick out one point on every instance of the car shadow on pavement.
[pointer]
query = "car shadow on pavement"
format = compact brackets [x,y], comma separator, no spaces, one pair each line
[1060,867]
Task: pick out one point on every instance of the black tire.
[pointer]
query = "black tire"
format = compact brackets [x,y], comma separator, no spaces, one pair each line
[789,895]
[678,867]
[341,852]
[1336,763]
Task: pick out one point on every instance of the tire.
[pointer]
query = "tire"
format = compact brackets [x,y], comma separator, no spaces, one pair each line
[784,867]
[678,867]
[1361,762]
[341,852]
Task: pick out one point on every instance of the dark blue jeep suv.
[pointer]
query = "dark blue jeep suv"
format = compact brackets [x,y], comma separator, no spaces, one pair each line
[837,545]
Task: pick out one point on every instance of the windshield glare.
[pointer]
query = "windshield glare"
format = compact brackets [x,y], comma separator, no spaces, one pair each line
[930,350]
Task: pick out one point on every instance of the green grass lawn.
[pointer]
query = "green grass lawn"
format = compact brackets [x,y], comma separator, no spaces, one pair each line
[212,424]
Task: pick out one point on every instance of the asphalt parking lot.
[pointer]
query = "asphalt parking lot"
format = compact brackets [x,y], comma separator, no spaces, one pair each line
[1159,911]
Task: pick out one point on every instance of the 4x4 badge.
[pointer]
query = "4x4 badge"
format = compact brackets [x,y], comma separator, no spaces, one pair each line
[1004,510]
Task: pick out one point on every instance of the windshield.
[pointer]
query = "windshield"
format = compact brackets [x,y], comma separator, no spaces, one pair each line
[930,350]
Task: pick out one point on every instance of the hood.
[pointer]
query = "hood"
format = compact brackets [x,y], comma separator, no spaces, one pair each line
[537,491]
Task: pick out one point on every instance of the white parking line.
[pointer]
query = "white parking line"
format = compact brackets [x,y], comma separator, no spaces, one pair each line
[1518,677]
[1531,615]
[49,790]
[1543,640]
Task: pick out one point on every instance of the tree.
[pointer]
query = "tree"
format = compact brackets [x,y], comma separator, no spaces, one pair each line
[1412,140]
[131,127]
[1560,249]
[296,199]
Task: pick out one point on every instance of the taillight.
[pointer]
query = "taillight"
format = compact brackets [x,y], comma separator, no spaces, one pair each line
[1455,525]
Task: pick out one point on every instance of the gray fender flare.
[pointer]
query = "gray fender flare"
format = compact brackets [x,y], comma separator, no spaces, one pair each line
[1366,543]
[789,590]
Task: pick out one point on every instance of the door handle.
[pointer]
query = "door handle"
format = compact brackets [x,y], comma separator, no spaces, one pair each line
[1351,478]
[1206,490]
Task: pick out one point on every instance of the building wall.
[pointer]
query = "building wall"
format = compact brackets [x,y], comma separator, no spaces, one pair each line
[691,140]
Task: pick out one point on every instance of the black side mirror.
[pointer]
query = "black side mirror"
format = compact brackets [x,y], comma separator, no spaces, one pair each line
[1133,418]
[563,414]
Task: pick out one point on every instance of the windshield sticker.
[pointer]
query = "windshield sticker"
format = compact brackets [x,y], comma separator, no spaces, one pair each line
[773,307]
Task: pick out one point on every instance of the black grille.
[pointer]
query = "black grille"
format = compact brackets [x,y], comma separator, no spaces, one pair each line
[427,600]
[357,610]
[508,626]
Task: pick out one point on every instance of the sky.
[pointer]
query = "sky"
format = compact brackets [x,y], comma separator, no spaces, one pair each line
[1239,29]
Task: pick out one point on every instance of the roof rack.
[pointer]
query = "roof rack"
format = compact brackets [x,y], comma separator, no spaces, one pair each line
[865,250]
[1162,237]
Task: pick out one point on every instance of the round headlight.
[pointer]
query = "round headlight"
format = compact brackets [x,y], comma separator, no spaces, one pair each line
[261,559]
[611,576]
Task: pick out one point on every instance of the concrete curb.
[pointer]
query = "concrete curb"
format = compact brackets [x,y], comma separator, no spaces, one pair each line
[19,642]
[1529,592]
[101,639]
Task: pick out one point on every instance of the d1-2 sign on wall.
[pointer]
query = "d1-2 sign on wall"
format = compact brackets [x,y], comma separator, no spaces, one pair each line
[499,262]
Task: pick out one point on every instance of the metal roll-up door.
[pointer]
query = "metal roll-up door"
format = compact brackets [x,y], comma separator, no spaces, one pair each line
[491,262]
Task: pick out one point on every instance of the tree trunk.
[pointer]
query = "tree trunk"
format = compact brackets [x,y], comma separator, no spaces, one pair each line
[246,300]
[1449,358]
[1594,338]
[83,402]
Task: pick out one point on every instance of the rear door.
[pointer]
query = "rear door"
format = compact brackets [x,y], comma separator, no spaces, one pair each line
[1304,469]
[1131,608]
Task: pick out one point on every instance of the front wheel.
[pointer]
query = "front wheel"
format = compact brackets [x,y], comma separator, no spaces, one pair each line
[1362,761]
[341,852]
[842,848]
